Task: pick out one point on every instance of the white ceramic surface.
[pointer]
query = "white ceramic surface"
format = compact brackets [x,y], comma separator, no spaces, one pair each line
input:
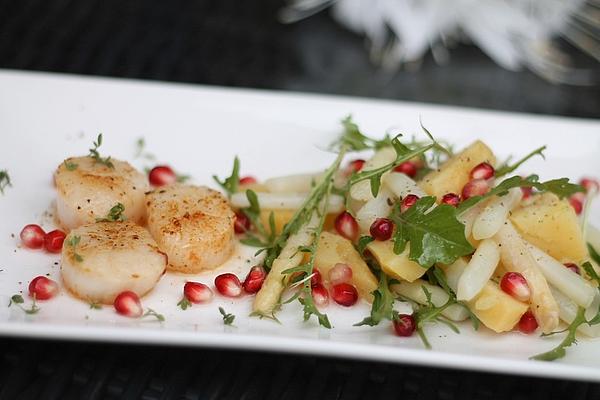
[44,118]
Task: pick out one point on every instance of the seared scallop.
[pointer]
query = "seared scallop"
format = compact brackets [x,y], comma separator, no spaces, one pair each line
[88,189]
[103,259]
[192,224]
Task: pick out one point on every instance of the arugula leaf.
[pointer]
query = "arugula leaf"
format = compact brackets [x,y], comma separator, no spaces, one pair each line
[589,269]
[353,139]
[561,187]
[506,169]
[435,235]
[114,214]
[430,313]
[4,180]
[96,155]
[593,253]
[227,318]
[231,183]
[571,338]
[151,313]
[383,303]
[362,244]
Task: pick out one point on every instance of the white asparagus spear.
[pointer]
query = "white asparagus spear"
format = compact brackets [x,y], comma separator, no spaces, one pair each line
[402,185]
[414,291]
[468,217]
[569,283]
[284,201]
[361,191]
[568,311]
[479,270]
[377,207]
[454,271]
[515,257]
[495,213]
[293,183]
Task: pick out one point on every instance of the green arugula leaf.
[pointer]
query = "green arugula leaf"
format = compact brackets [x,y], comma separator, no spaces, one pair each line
[96,155]
[151,313]
[383,303]
[354,140]
[114,214]
[4,180]
[430,314]
[435,235]
[362,244]
[231,183]
[571,338]
[506,169]
[561,187]
[593,253]
[227,318]
[589,269]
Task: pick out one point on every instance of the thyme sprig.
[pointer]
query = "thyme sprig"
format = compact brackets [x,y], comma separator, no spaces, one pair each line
[227,317]
[73,242]
[4,180]
[17,300]
[96,155]
[151,313]
[115,214]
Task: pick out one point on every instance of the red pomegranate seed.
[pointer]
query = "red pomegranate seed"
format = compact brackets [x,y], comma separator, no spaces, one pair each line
[53,241]
[248,180]
[315,279]
[241,223]
[482,171]
[576,204]
[162,175]
[346,226]
[382,229]
[354,166]
[254,280]
[344,294]
[32,236]
[590,184]
[408,168]
[42,288]
[408,202]
[475,187]
[527,192]
[528,324]
[573,267]
[451,199]
[515,285]
[320,295]
[404,325]
[228,285]
[197,292]
[340,273]
[128,304]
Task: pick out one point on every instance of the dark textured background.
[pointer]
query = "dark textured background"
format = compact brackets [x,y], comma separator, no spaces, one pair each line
[240,43]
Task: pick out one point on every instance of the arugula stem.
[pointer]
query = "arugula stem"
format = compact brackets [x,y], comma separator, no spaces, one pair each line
[507,169]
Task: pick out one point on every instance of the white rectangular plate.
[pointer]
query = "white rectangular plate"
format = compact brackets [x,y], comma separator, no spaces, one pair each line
[45,118]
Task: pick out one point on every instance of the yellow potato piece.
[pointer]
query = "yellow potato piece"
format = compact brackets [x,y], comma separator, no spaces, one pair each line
[282,217]
[335,249]
[397,266]
[552,225]
[453,175]
[497,310]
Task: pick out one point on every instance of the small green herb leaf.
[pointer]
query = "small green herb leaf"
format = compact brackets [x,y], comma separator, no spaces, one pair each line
[95,306]
[383,303]
[227,318]
[593,253]
[184,303]
[230,184]
[73,242]
[114,214]
[96,155]
[354,140]
[362,244]
[571,338]
[589,269]
[16,299]
[70,166]
[507,169]
[151,313]
[4,180]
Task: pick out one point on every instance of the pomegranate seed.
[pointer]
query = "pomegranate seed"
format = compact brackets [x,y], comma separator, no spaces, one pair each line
[248,180]
[344,294]
[576,204]
[528,324]
[527,192]
[197,292]
[408,168]
[42,288]
[128,304]
[475,187]
[354,166]
[590,184]
[162,175]
[254,280]
[451,199]
[404,325]
[573,267]
[241,223]
[340,273]
[515,284]
[228,285]
[482,171]
[320,295]
[32,236]
[382,229]
[346,226]
[408,202]
[315,279]
[53,241]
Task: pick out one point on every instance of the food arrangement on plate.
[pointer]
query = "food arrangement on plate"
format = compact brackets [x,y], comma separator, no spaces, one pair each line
[452,236]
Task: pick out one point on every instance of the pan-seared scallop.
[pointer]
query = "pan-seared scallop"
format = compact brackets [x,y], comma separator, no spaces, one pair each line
[103,259]
[87,190]
[192,224]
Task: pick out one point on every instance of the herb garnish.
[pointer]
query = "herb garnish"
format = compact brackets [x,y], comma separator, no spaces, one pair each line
[354,140]
[434,234]
[17,299]
[571,338]
[265,238]
[4,180]
[151,313]
[589,269]
[140,146]
[227,318]
[231,183]
[70,165]
[506,169]
[430,313]
[383,303]
[593,253]
[96,155]
[95,306]
[114,214]
[184,303]
[73,242]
